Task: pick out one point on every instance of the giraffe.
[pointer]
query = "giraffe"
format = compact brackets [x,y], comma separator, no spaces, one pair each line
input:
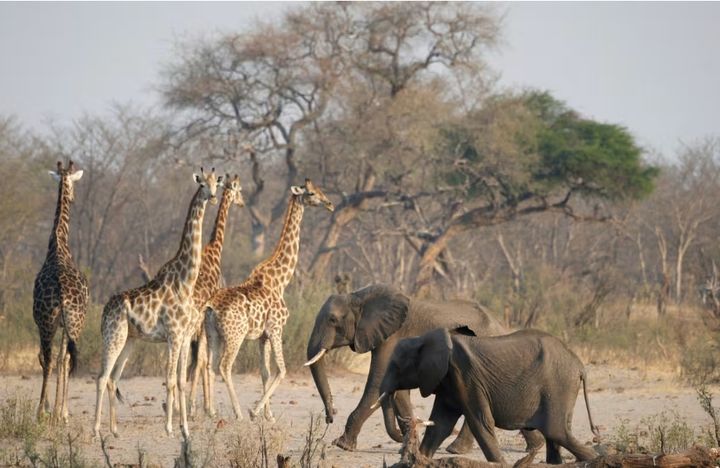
[60,297]
[161,310]
[256,308]
[208,283]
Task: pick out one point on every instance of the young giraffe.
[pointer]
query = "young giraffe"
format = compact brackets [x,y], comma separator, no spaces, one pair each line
[60,297]
[256,308]
[207,284]
[161,310]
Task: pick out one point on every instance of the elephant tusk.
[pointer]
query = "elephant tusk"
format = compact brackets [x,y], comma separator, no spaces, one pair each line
[379,401]
[426,423]
[316,358]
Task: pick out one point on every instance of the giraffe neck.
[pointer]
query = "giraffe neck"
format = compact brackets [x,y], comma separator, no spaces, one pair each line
[59,244]
[285,256]
[185,266]
[217,238]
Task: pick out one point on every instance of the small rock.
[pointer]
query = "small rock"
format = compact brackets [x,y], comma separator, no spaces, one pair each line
[292,402]
[24,377]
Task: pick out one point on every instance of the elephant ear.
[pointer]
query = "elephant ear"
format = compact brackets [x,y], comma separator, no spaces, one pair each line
[433,360]
[380,311]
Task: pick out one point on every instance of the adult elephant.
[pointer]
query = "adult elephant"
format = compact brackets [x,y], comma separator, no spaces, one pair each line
[374,319]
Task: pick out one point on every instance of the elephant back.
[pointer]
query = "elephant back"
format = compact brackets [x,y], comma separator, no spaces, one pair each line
[425,315]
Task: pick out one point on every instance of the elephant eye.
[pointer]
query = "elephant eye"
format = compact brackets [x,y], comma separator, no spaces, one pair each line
[332,319]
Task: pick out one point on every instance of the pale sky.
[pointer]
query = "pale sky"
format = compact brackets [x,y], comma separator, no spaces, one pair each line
[653,67]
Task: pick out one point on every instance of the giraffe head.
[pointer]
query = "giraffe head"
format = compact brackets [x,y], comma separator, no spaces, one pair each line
[234,190]
[67,176]
[209,183]
[311,195]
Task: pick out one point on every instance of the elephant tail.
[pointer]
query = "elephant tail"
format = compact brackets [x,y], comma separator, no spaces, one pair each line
[593,427]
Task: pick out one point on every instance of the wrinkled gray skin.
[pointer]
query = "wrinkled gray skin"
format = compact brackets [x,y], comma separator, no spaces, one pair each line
[374,319]
[525,380]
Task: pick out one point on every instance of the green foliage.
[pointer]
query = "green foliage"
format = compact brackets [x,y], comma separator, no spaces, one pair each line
[599,159]
[524,145]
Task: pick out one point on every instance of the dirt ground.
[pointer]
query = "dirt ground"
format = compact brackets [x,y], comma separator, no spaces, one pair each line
[615,394]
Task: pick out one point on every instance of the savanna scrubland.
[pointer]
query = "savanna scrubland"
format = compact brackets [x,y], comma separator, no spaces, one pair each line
[445,185]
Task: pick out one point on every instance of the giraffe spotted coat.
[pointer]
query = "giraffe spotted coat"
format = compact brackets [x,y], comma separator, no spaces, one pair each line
[60,297]
[256,308]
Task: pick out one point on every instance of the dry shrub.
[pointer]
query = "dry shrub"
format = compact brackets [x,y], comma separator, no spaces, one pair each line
[665,432]
[700,362]
[257,445]
[18,421]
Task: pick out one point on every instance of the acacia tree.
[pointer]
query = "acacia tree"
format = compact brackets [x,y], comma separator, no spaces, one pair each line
[529,153]
[401,60]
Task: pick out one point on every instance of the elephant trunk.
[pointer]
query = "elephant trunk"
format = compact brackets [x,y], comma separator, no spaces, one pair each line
[319,374]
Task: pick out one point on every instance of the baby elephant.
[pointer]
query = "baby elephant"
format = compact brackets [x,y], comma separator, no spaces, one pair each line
[525,380]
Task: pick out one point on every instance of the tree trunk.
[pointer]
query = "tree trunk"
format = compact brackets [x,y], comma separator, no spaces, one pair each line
[257,238]
[328,246]
[428,261]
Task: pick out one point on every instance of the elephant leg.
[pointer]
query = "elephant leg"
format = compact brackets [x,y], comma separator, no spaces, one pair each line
[552,453]
[444,418]
[558,431]
[534,439]
[464,441]
[482,425]
[378,366]
[574,446]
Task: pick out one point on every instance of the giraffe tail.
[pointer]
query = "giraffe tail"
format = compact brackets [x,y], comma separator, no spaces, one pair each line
[72,350]
[119,396]
[194,348]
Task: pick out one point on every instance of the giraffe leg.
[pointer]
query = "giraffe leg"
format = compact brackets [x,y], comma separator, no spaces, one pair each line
[113,381]
[174,350]
[57,406]
[199,371]
[232,346]
[182,376]
[45,358]
[66,384]
[213,362]
[205,375]
[265,372]
[276,340]
[114,339]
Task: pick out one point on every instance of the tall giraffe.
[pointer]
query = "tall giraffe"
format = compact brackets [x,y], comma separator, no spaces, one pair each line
[161,310]
[207,284]
[60,297]
[256,308]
